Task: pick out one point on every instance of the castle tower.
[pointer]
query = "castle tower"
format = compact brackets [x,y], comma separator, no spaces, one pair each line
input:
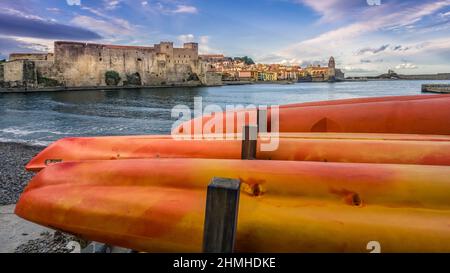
[331,63]
[193,46]
[165,47]
[331,70]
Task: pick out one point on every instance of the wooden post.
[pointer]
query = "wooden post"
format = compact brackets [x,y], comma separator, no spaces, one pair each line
[222,205]
[249,136]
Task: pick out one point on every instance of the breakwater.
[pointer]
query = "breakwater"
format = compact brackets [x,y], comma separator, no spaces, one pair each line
[436,88]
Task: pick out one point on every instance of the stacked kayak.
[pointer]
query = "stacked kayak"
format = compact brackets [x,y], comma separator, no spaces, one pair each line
[330,147]
[360,176]
[396,115]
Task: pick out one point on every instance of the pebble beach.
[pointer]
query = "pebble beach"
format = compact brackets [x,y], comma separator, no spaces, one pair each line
[13,176]
[17,234]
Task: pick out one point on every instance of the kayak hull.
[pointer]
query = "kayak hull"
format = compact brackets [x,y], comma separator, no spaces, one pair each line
[396,115]
[151,205]
[358,148]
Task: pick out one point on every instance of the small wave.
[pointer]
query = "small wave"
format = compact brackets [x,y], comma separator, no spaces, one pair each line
[23,132]
[27,142]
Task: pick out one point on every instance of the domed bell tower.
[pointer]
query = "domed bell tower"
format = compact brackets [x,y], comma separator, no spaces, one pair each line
[331,63]
[331,69]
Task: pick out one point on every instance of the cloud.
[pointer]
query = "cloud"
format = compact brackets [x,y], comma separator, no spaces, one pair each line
[387,21]
[332,10]
[368,61]
[203,42]
[186,38]
[112,28]
[204,47]
[400,48]
[16,23]
[12,45]
[73,2]
[107,25]
[406,66]
[372,50]
[357,70]
[111,4]
[277,59]
[168,7]
[185,9]
[54,10]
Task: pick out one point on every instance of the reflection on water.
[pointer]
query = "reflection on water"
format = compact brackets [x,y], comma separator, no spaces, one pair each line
[40,118]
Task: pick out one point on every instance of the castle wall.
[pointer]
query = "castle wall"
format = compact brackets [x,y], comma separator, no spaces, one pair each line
[2,69]
[85,64]
[32,56]
[20,73]
[79,64]
[211,79]
[13,71]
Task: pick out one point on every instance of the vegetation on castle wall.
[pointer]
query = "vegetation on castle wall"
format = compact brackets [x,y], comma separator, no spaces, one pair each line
[193,77]
[46,82]
[133,79]
[112,78]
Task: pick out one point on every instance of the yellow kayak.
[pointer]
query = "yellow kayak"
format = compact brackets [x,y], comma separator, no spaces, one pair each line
[158,205]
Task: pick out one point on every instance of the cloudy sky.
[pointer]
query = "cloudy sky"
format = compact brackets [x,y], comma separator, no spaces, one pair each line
[409,36]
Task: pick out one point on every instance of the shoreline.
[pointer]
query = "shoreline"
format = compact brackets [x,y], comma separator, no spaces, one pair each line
[225,83]
[18,235]
[91,88]
[13,176]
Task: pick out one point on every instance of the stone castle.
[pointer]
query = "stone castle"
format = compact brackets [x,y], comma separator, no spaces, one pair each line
[75,64]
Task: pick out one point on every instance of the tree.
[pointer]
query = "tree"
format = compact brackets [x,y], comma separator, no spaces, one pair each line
[112,78]
[247,60]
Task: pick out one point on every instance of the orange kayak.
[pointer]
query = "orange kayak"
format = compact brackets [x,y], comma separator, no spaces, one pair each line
[150,205]
[365,100]
[362,148]
[399,115]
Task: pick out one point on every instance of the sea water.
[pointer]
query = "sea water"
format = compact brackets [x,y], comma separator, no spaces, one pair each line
[41,118]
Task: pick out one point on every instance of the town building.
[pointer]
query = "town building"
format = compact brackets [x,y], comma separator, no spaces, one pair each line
[237,70]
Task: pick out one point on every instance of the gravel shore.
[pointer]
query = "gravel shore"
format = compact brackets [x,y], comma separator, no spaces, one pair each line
[13,176]
[16,234]
[13,179]
[57,242]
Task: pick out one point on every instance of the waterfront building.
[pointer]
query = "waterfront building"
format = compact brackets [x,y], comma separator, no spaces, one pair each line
[320,74]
